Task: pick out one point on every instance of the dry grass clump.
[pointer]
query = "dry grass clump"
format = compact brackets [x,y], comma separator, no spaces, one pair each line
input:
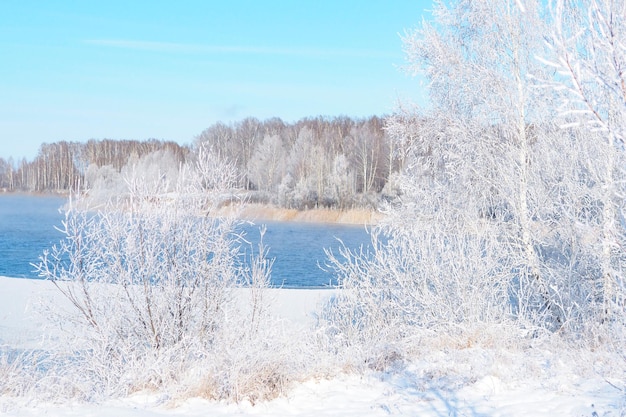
[316,215]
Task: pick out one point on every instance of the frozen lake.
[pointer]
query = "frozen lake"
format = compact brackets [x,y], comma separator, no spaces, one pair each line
[27,227]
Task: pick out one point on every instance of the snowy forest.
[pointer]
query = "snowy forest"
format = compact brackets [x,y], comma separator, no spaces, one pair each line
[506,230]
[336,162]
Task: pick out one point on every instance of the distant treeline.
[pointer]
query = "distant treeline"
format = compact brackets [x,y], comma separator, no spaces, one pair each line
[62,166]
[335,162]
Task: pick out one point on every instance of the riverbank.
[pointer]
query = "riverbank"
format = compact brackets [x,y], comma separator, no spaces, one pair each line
[268,212]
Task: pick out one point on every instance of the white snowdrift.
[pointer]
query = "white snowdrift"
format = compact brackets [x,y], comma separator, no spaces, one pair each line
[473,381]
[22,322]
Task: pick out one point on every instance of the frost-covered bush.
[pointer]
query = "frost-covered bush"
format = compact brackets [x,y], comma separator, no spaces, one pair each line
[160,298]
[431,273]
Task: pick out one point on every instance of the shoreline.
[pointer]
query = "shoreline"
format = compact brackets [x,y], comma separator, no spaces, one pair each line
[269,212]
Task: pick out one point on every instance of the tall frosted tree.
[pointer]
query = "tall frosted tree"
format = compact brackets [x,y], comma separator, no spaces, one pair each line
[487,123]
[496,198]
[267,165]
[588,42]
[494,129]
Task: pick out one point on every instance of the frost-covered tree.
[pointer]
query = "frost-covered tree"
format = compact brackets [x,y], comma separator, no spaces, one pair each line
[501,141]
[367,156]
[308,166]
[589,56]
[101,183]
[341,182]
[7,173]
[495,199]
[267,165]
[479,57]
[286,191]
[158,170]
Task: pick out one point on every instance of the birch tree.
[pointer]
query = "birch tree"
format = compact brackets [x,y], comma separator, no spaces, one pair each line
[480,58]
[470,158]
[589,56]
[477,219]
[366,154]
[267,165]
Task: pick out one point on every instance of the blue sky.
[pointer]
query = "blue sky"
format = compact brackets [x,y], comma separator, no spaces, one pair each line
[74,70]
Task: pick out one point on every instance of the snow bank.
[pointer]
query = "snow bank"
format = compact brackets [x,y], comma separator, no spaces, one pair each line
[405,394]
[437,382]
[22,323]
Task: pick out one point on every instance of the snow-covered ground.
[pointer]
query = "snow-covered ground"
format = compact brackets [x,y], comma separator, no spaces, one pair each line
[446,381]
